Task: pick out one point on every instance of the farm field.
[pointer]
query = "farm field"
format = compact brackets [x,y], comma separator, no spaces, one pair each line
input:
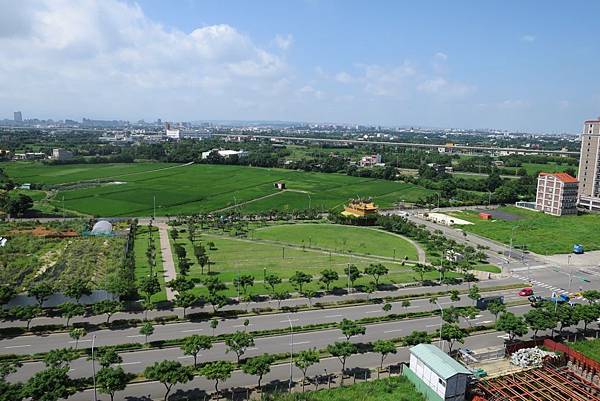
[142,268]
[532,168]
[234,255]
[541,233]
[205,188]
[347,239]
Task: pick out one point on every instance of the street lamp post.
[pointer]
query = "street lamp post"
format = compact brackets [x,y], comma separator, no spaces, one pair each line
[570,272]
[94,367]
[441,324]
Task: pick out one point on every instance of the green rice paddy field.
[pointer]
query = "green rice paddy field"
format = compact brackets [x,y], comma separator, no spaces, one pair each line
[202,188]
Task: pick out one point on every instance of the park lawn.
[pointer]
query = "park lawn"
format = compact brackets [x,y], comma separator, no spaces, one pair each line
[203,188]
[486,267]
[541,233]
[397,388]
[142,268]
[234,256]
[338,238]
[533,168]
[589,348]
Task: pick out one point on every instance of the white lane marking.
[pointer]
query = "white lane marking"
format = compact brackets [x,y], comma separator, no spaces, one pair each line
[373,311]
[137,335]
[129,363]
[241,325]
[192,330]
[302,342]
[432,325]
[485,322]
[332,316]
[393,331]
[286,321]
[186,356]
[252,349]
[81,341]
[17,346]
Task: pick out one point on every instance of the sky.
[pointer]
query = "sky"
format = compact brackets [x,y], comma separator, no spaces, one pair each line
[508,64]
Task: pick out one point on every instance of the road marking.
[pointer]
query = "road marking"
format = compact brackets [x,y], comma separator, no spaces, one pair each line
[331,316]
[432,325]
[252,349]
[81,341]
[137,335]
[129,363]
[286,321]
[485,322]
[373,311]
[302,342]
[17,346]
[241,325]
[192,330]
[393,331]
[186,356]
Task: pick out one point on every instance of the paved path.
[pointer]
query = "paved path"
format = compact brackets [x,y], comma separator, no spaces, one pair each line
[167,258]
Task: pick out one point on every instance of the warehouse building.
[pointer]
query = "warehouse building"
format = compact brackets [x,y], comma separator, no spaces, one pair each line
[436,375]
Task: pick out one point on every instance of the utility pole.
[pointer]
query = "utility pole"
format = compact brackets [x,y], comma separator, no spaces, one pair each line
[94,367]
[441,324]
[570,272]
[348,278]
[154,208]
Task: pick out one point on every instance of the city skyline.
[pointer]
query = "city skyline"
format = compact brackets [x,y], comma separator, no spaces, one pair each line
[461,65]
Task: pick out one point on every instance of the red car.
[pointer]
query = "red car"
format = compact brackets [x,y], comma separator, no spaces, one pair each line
[525,292]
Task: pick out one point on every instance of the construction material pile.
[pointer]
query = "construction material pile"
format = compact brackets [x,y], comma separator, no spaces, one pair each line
[529,357]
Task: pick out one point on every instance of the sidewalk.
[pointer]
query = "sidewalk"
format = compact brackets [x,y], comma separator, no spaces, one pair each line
[167,256]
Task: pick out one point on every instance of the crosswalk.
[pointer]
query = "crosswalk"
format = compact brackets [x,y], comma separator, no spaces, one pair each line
[552,288]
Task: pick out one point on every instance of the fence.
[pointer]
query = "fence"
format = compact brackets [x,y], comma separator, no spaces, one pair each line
[574,356]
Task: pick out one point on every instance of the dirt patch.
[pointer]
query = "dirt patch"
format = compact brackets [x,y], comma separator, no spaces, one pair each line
[499,214]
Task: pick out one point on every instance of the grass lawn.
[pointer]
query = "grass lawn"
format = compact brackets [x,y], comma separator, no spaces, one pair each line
[590,348]
[483,267]
[347,239]
[204,188]
[396,388]
[541,233]
[142,268]
[533,168]
[246,256]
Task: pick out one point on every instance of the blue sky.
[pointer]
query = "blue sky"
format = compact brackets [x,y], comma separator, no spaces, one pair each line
[474,64]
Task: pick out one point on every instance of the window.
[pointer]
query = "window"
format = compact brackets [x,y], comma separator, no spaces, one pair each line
[442,381]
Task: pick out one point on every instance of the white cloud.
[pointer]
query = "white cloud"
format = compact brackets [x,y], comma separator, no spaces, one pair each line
[343,77]
[441,86]
[309,90]
[514,104]
[107,57]
[528,38]
[284,42]
[440,56]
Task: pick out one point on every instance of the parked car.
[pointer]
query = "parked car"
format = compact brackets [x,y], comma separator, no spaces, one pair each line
[525,292]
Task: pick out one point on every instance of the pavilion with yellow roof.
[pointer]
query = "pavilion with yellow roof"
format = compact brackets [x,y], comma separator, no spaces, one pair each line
[360,208]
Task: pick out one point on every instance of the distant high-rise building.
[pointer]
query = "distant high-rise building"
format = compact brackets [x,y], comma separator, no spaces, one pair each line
[589,166]
[18,116]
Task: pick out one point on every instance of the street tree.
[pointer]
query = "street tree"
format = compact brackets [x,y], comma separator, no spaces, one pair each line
[309,294]
[421,269]
[60,357]
[69,310]
[452,334]
[107,356]
[110,380]
[474,293]
[213,325]
[41,292]
[214,285]
[512,325]
[76,333]
[217,301]
[147,330]
[10,391]
[77,288]
[353,272]
[468,313]
[245,281]
[169,373]
[433,301]
[217,371]
[258,366]
[384,347]
[299,279]
[192,345]
[415,338]
[566,317]
[26,312]
[304,360]
[350,328]
[342,351]
[7,292]
[51,384]
[149,285]
[587,314]
[181,284]
[454,295]
[271,279]
[496,307]
[387,307]
[328,276]
[107,307]
[405,304]
[591,296]
[540,319]
[281,296]
[238,342]
[376,270]
[186,300]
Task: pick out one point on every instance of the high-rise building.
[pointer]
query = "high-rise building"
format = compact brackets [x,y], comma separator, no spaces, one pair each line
[589,166]
[18,117]
[556,194]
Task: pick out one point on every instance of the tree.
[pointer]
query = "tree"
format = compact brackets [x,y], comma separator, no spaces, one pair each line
[369,288]
[110,380]
[108,356]
[180,284]
[304,360]
[27,312]
[244,281]
[350,328]
[49,385]
[405,304]
[468,313]
[213,325]
[192,345]
[76,333]
[592,296]
[566,317]
[328,276]
[77,288]
[281,296]
[415,338]
[41,292]
[474,293]
[342,351]
[108,307]
[587,314]
[8,390]
[147,330]
[540,319]
[238,342]
[69,310]
[387,307]
[454,295]
[217,301]
[452,333]
[169,373]
[353,272]
[214,285]
[149,285]
[421,269]
[384,347]
[433,300]
[496,307]
[7,292]
[309,294]
[203,260]
[18,205]
[60,357]
[272,280]
[512,325]
[217,371]
[299,279]
[376,271]
[258,366]
[186,300]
